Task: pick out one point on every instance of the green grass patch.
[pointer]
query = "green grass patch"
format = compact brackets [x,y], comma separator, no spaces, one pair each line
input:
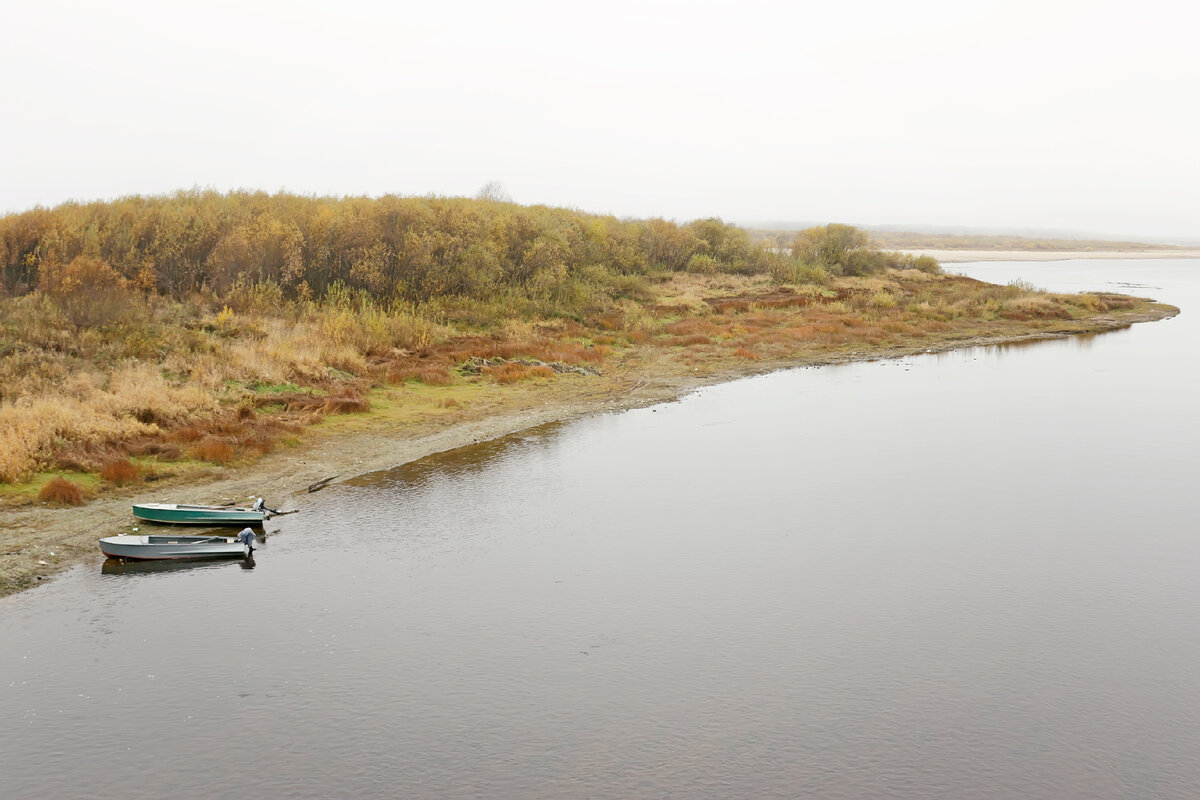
[410,403]
[277,388]
[28,492]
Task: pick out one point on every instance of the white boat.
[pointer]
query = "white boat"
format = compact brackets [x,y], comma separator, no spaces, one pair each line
[156,547]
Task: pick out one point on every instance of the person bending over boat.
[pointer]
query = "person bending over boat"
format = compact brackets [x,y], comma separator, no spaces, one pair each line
[246,537]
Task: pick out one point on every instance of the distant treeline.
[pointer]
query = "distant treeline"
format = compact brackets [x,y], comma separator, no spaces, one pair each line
[946,241]
[409,249]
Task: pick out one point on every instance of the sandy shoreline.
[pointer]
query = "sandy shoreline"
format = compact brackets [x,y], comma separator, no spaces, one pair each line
[41,541]
[962,256]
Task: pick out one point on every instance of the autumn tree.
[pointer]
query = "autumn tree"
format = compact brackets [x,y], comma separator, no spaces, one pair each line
[411,249]
[87,289]
[495,192]
[841,249]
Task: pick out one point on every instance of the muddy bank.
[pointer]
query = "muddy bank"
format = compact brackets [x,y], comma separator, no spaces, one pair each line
[40,541]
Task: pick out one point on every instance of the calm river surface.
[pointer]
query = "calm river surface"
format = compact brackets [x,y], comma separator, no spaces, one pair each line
[966,575]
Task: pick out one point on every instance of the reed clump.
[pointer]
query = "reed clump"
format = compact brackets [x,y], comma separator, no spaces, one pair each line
[62,492]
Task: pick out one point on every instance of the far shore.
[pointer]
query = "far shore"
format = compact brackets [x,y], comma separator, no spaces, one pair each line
[961,256]
[43,541]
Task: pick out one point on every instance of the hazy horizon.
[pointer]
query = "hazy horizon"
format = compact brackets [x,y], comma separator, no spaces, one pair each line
[1000,116]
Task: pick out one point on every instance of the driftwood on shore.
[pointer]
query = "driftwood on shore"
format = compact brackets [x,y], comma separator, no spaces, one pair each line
[321,484]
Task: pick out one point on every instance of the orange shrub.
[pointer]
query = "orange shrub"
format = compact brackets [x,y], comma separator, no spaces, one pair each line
[345,405]
[120,471]
[575,353]
[188,433]
[61,491]
[596,354]
[168,452]
[743,352]
[214,450]
[435,375]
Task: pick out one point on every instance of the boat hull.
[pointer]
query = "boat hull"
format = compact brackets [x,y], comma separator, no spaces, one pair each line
[163,548]
[178,514]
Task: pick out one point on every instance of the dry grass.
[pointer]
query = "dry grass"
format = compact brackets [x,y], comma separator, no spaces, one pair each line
[691,326]
[231,384]
[214,450]
[515,371]
[1027,308]
[430,374]
[345,405]
[31,432]
[879,313]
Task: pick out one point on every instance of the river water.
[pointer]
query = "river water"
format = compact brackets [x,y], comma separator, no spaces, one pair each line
[963,575]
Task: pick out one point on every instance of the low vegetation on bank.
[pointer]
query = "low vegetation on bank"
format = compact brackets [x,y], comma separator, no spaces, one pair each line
[156,337]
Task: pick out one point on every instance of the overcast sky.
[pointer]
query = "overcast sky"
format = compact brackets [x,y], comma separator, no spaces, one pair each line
[1017,114]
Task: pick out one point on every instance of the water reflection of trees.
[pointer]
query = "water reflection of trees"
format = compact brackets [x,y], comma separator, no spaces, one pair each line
[459,462]
[1079,341]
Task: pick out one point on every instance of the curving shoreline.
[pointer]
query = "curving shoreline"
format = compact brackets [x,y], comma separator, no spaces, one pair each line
[41,541]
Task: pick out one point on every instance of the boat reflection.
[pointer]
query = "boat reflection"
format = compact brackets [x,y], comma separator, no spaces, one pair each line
[117,566]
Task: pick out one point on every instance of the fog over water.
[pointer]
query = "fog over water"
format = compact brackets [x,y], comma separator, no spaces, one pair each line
[959,575]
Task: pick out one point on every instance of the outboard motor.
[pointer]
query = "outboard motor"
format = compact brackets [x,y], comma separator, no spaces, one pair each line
[261,505]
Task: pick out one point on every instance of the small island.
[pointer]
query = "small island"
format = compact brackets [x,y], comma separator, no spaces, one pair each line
[211,346]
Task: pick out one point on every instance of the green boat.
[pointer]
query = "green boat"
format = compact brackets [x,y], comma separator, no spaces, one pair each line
[180,514]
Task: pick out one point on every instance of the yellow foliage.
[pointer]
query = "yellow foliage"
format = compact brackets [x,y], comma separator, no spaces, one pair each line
[83,274]
[883,299]
[89,290]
